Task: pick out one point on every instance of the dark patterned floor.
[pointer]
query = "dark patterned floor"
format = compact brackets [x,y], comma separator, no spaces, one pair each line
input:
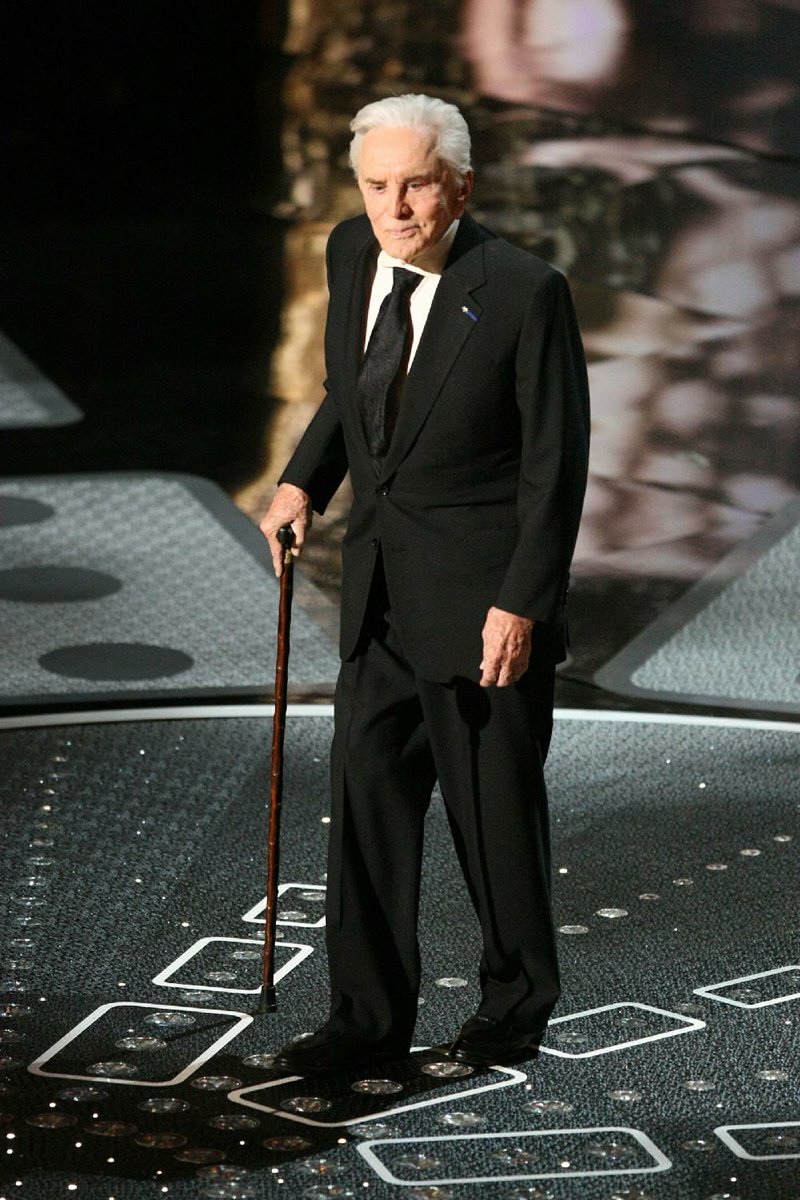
[133,877]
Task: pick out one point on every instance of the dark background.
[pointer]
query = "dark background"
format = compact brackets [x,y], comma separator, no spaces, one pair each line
[141,267]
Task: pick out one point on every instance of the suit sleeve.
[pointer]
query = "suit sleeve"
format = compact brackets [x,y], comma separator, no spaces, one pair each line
[319,464]
[553,400]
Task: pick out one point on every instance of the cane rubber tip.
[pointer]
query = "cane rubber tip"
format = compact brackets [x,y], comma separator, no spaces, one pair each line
[267,1002]
[285,536]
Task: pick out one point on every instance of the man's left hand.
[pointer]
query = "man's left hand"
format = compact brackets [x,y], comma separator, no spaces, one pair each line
[506,648]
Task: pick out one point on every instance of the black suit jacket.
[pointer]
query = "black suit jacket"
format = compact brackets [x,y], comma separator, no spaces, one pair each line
[478,500]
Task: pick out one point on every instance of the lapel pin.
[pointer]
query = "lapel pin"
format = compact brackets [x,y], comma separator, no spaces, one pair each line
[470,314]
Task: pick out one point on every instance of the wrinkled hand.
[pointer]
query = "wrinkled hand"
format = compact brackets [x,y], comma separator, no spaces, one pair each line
[506,648]
[290,506]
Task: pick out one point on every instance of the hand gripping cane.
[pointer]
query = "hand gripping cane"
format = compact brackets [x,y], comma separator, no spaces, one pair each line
[267,1002]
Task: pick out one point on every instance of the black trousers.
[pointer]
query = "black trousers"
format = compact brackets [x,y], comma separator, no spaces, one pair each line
[395,733]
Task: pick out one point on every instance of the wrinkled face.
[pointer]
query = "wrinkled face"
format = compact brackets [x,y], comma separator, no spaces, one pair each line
[410,196]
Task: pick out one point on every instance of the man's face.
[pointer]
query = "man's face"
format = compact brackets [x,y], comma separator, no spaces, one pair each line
[410,196]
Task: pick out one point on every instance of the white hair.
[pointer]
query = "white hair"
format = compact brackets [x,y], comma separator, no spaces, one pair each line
[417,112]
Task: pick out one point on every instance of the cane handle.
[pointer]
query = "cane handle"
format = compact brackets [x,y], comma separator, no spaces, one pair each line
[285,536]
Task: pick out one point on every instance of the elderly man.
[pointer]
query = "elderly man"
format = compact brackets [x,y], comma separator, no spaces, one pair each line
[457,399]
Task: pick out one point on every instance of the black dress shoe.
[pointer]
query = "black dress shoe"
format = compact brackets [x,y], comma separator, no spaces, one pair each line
[484,1042]
[327,1051]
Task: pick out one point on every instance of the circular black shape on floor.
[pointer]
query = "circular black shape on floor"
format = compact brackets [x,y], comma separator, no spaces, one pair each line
[17,510]
[55,585]
[116,660]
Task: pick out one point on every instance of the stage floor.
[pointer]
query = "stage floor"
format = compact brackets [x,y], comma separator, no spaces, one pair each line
[132,1065]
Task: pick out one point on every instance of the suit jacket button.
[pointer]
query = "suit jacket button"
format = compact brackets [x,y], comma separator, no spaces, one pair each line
[383,491]
[373,542]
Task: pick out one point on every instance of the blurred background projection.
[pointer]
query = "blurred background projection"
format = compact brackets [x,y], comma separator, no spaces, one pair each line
[171,174]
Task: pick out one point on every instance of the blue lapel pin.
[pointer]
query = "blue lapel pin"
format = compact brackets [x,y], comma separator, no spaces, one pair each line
[469,313]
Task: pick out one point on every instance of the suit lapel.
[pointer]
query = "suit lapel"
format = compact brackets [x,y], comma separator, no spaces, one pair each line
[454,315]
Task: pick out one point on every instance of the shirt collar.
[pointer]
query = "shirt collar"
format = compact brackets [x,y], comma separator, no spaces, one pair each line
[434,260]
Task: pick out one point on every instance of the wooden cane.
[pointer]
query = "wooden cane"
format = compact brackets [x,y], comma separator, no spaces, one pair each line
[267,1002]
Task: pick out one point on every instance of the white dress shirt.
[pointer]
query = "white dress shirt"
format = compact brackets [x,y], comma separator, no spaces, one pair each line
[421,297]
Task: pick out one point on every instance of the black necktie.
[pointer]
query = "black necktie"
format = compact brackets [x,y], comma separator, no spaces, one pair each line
[382,372]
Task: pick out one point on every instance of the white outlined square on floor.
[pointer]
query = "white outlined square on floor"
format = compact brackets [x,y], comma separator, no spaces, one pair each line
[569,1140]
[711,991]
[509,1077]
[682,1024]
[242,1020]
[257,913]
[164,978]
[725,1134]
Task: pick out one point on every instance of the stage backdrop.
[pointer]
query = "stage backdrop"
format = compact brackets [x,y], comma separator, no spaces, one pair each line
[651,152]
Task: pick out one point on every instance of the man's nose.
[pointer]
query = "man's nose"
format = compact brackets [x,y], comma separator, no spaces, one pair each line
[399,202]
